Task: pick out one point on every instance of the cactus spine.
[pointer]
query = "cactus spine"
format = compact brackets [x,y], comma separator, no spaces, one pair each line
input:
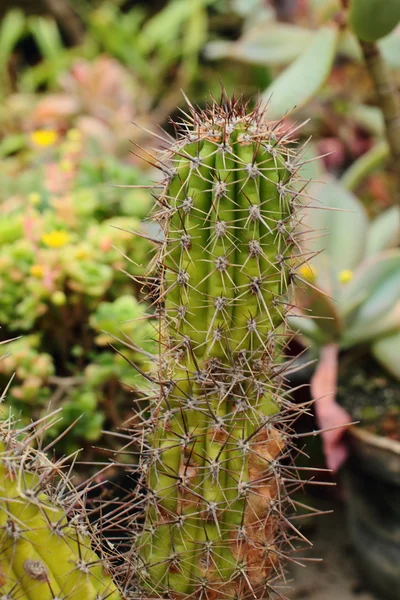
[45,543]
[213,485]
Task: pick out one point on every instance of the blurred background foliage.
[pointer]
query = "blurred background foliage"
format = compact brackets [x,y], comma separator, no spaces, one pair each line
[82,83]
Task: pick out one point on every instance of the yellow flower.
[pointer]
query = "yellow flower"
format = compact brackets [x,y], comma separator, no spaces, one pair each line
[308,272]
[81,253]
[44,137]
[345,276]
[37,271]
[34,198]
[55,239]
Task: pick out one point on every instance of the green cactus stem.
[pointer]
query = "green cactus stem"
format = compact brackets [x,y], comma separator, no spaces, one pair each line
[45,543]
[214,488]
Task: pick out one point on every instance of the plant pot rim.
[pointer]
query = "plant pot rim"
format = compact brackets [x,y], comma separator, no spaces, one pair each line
[376,455]
[361,434]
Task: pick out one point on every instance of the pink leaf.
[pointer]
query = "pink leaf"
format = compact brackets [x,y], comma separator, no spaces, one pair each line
[331,417]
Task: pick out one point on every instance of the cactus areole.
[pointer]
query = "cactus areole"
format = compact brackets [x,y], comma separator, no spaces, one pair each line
[214,465]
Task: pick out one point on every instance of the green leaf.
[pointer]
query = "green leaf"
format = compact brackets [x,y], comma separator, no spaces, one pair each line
[264,44]
[302,80]
[47,37]
[384,231]
[369,117]
[387,351]
[165,26]
[12,143]
[390,48]
[307,328]
[323,310]
[365,164]
[370,298]
[194,37]
[11,30]
[340,224]
[349,46]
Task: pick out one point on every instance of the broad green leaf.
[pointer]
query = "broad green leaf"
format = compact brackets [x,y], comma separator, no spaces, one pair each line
[322,309]
[370,275]
[369,301]
[387,351]
[302,80]
[365,165]
[385,324]
[384,231]
[264,44]
[340,225]
[375,315]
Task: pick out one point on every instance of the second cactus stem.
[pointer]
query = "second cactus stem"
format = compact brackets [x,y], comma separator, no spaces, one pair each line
[212,473]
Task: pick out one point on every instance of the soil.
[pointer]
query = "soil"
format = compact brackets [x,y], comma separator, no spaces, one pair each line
[371,396]
[335,577]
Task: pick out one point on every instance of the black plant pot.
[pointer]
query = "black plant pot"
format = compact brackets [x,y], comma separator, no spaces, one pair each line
[373,488]
[373,499]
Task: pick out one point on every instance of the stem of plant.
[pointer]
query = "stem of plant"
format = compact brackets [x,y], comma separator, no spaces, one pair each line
[389,102]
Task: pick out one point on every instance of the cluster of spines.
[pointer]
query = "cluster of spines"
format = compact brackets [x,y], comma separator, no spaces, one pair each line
[46,540]
[215,472]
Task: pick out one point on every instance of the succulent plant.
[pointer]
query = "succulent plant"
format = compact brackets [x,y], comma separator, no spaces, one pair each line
[63,239]
[46,542]
[369,22]
[352,282]
[213,486]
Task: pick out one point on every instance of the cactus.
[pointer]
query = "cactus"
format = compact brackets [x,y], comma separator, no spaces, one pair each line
[215,438]
[45,542]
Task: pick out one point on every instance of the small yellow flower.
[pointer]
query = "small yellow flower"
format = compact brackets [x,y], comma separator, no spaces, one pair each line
[37,271]
[345,276]
[34,198]
[308,272]
[81,254]
[74,135]
[55,239]
[44,137]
